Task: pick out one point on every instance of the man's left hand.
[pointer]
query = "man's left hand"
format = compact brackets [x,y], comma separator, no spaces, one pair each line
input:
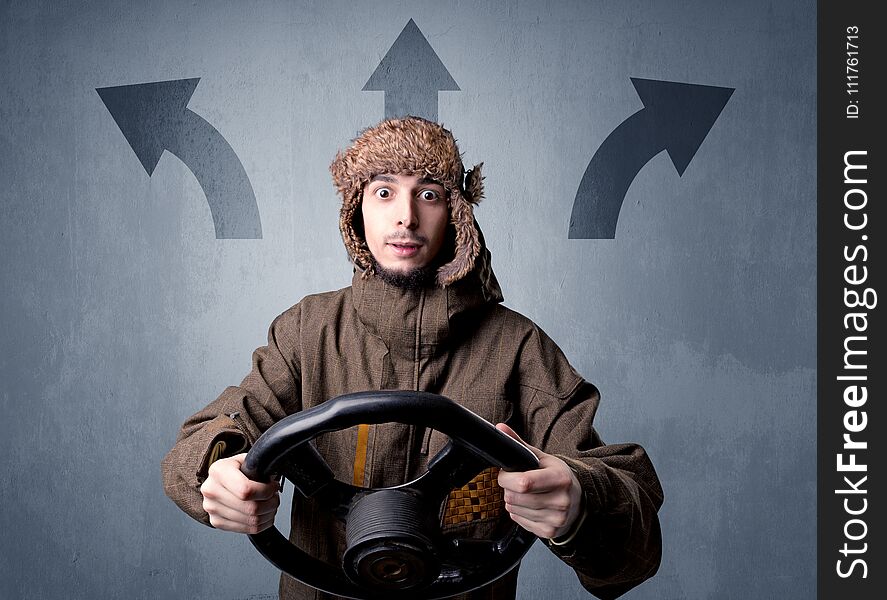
[545,501]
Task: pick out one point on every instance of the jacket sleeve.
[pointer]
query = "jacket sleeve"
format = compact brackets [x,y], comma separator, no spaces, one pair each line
[619,544]
[233,421]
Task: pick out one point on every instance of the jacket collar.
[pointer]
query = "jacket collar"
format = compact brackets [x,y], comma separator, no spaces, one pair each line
[414,323]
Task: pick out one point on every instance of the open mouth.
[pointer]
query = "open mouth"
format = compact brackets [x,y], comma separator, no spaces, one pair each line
[404,248]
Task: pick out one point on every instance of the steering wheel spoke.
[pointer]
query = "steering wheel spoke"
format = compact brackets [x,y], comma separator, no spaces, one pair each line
[468,553]
[473,557]
[306,469]
[451,468]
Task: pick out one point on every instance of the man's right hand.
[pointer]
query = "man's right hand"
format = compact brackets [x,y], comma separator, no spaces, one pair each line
[235,502]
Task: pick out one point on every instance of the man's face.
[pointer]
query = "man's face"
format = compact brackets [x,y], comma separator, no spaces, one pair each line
[405,220]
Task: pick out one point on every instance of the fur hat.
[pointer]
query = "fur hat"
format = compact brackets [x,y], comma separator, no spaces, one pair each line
[410,146]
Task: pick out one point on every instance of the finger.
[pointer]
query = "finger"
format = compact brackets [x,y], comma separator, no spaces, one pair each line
[251,514]
[537,481]
[553,475]
[238,527]
[238,460]
[555,518]
[226,474]
[234,494]
[219,495]
[255,491]
[540,529]
[233,509]
[241,516]
[559,500]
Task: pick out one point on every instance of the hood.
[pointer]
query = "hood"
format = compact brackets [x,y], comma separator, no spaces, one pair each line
[411,146]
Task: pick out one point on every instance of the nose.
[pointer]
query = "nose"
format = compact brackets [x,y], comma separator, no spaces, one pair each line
[406,213]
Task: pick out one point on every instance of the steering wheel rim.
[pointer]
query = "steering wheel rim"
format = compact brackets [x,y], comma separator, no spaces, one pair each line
[285,449]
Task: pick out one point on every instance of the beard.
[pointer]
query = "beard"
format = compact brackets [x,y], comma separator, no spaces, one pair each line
[413,279]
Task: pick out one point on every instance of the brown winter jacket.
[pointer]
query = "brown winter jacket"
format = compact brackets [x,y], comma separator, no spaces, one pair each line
[457,341]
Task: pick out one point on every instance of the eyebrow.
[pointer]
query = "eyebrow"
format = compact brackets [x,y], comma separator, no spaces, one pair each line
[391,179]
[387,178]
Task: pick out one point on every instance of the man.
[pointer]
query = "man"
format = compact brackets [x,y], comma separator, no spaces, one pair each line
[424,313]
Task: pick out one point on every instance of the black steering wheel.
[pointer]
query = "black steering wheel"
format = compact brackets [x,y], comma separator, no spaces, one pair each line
[395,548]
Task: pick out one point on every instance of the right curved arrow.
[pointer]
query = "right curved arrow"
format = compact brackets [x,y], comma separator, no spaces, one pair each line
[676,118]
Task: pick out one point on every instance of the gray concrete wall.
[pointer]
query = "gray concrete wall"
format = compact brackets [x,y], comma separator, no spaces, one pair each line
[121,312]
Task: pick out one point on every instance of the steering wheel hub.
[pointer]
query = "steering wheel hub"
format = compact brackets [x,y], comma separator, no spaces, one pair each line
[389,542]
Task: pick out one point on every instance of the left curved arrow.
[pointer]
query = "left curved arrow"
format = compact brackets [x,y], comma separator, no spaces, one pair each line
[154,117]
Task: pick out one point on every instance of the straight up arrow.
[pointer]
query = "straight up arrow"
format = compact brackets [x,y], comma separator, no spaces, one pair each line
[411,74]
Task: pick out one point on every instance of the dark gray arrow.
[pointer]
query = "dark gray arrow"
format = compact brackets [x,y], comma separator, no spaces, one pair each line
[155,117]
[676,118]
[411,74]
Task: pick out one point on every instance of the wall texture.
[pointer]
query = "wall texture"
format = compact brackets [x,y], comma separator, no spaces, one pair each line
[122,312]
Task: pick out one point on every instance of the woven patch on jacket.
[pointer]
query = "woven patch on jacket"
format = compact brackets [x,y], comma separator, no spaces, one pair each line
[481,498]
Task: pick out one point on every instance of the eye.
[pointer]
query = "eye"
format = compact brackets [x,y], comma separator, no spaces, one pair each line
[429,195]
[383,192]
